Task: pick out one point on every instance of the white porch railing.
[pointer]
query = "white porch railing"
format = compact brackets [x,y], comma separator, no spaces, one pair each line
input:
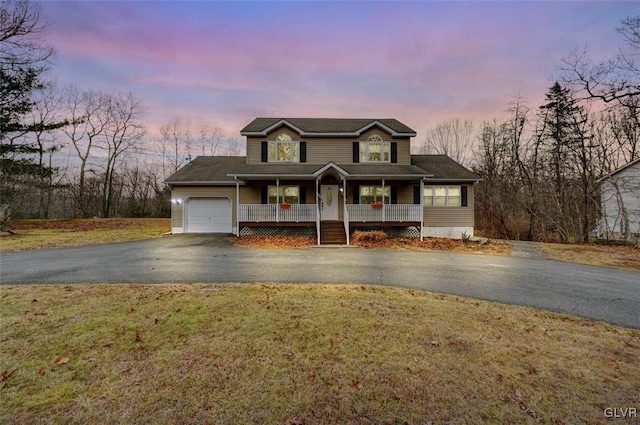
[388,212]
[273,213]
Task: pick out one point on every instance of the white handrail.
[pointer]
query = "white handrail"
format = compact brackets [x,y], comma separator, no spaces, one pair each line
[386,213]
[258,213]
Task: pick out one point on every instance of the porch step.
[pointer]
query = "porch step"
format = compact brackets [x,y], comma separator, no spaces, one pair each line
[332,233]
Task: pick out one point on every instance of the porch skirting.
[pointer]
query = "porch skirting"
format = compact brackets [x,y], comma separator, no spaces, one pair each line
[392,232]
[279,231]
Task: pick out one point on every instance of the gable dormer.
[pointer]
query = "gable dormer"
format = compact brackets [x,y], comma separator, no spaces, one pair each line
[324,140]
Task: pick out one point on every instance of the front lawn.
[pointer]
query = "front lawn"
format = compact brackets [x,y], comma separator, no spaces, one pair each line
[301,354]
[37,234]
[621,257]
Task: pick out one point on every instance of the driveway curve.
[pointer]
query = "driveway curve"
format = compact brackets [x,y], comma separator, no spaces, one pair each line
[596,293]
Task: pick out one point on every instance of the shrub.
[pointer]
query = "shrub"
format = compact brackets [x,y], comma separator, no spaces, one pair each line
[370,236]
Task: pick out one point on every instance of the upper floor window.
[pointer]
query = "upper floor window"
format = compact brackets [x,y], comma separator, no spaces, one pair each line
[375,150]
[442,196]
[284,149]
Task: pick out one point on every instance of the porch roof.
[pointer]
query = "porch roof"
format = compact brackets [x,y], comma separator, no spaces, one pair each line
[313,171]
[223,170]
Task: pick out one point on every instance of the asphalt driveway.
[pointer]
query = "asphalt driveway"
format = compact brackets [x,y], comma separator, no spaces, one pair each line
[596,293]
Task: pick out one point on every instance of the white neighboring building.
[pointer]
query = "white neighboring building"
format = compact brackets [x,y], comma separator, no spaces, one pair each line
[620,203]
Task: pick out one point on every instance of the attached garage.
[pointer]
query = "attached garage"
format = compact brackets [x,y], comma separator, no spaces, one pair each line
[208,215]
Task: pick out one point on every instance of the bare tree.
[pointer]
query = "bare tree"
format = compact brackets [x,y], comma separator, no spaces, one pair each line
[89,118]
[614,80]
[174,145]
[210,137]
[123,132]
[453,138]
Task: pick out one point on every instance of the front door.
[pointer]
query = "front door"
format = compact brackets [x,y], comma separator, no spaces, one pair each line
[329,206]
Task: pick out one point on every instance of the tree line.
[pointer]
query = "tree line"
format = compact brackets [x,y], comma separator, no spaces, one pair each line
[68,152]
[541,167]
[72,152]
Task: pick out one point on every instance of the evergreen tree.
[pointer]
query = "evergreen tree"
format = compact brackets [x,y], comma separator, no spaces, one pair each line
[23,60]
[564,137]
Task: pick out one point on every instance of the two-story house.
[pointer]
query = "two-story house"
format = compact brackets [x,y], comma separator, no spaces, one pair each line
[325,178]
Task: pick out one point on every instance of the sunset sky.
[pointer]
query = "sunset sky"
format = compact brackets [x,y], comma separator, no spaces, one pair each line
[419,62]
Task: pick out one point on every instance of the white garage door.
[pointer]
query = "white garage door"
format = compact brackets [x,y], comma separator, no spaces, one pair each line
[208,215]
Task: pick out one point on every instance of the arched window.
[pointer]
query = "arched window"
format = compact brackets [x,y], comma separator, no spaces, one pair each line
[284,138]
[374,149]
[284,149]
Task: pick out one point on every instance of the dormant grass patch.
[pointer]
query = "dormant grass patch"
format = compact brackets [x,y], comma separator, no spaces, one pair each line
[622,257]
[37,234]
[301,354]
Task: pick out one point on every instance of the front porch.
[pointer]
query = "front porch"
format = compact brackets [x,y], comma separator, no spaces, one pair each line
[329,231]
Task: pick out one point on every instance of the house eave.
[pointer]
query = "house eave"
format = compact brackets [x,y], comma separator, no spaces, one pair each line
[356,133]
[445,180]
[619,170]
[273,176]
[202,183]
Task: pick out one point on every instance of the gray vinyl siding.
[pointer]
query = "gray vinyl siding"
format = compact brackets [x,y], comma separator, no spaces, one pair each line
[323,150]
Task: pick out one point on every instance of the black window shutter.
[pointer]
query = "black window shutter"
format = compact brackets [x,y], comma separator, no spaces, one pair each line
[356,152]
[303,194]
[463,196]
[416,195]
[394,152]
[394,194]
[264,195]
[356,194]
[303,151]
[265,151]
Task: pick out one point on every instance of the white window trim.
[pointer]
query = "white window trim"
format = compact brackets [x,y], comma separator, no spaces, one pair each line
[365,145]
[433,196]
[291,144]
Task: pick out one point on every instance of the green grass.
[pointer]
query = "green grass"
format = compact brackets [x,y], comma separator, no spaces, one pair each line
[301,354]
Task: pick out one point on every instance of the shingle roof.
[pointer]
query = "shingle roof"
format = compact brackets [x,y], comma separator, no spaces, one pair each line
[222,169]
[443,167]
[207,169]
[322,126]
[310,169]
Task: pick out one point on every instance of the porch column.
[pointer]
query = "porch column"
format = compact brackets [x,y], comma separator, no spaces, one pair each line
[344,205]
[318,209]
[237,207]
[277,200]
[421,208]
[384,215]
